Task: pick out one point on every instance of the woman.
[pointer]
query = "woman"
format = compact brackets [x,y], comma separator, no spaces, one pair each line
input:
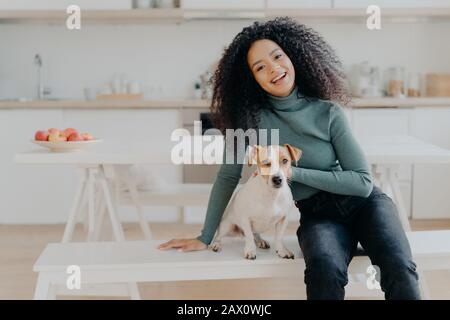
[283,75]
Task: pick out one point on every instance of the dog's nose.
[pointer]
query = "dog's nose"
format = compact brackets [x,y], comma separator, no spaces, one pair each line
[277,180]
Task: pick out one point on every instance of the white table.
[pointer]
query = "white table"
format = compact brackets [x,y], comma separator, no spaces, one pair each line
[386,154]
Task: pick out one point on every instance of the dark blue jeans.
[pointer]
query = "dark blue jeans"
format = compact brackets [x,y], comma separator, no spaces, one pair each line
[331,226]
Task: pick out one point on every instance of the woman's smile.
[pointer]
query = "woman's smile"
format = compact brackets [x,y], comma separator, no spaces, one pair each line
[279,78]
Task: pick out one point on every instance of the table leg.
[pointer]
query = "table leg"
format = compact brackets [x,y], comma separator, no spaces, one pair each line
[79,195]
[393,180]
[388,178]
[131,185]
[101,210]
[91,203]
[115,222]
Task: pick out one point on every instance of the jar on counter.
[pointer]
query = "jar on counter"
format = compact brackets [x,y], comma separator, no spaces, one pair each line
[414,84]
[396,82]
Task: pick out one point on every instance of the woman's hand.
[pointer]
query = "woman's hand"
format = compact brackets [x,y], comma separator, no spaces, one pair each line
[183,245]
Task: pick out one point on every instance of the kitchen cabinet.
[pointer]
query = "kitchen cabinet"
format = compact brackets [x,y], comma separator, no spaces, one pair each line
[383,121]
[431,187]
[296,4]
[391,4]
[368,122]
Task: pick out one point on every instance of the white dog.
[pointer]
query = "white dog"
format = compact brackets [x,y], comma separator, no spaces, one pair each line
[262,202]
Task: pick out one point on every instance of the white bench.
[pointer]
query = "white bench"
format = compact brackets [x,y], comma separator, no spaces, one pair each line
[112,263]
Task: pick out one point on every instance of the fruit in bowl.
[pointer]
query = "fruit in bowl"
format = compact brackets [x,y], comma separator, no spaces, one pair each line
[64,140]
[41,135]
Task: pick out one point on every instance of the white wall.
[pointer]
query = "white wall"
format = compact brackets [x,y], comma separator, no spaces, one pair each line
[175,55]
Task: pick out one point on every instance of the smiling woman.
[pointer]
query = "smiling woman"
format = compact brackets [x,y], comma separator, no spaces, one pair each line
[273,57]
[282,75]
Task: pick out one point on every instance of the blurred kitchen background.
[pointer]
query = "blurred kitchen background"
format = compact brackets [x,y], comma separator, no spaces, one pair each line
[139,69]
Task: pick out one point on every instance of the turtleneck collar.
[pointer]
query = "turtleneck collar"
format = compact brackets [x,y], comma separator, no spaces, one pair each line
[289,103]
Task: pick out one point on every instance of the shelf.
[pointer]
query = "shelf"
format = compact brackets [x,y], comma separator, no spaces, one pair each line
[137,16]
[96,16]
[384,102]
[105,104]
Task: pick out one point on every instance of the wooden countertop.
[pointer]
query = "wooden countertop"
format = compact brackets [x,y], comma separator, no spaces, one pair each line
[204,104]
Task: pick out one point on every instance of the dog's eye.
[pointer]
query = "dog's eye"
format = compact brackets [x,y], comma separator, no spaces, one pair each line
[285,161]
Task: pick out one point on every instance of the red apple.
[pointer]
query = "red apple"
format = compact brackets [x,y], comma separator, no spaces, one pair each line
[87,136]
[41,135]
[75,137]
[67,132]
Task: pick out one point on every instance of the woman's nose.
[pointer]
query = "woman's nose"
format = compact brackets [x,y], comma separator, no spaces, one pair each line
[275,67]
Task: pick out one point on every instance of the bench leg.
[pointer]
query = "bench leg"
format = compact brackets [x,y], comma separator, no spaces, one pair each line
[134,291]
[43,288]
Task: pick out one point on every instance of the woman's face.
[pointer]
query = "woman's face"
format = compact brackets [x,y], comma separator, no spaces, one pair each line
[271,67]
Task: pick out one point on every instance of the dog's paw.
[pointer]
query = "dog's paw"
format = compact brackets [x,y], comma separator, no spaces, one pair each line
[216,247]
[262,244]
[250,254]
[285,253]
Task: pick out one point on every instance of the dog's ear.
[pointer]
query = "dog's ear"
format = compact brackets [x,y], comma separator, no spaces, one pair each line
[294,153]
[252,154]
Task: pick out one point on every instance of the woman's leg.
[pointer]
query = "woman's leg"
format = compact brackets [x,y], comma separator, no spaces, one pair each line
[381,234]
[328,247]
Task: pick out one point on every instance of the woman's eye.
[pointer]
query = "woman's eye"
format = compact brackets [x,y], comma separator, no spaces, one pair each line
[278,56]
[259,68]
[285,161]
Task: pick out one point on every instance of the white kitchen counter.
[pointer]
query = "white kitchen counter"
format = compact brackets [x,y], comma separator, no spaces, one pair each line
[192,103]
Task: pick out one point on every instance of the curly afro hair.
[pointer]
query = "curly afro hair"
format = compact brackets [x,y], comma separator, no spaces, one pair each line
[237,97]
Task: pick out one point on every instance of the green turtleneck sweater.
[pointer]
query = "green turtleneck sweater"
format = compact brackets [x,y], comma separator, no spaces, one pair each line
[331,158]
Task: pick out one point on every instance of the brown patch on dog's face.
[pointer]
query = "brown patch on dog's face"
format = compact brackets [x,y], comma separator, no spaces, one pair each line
[274,162]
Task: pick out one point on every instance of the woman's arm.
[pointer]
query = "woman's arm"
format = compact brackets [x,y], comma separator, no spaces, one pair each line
[355,178]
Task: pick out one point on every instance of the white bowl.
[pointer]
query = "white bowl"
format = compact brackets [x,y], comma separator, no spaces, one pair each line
[67,146]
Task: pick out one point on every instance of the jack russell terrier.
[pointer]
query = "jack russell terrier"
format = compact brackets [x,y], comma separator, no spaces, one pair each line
[262,202]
